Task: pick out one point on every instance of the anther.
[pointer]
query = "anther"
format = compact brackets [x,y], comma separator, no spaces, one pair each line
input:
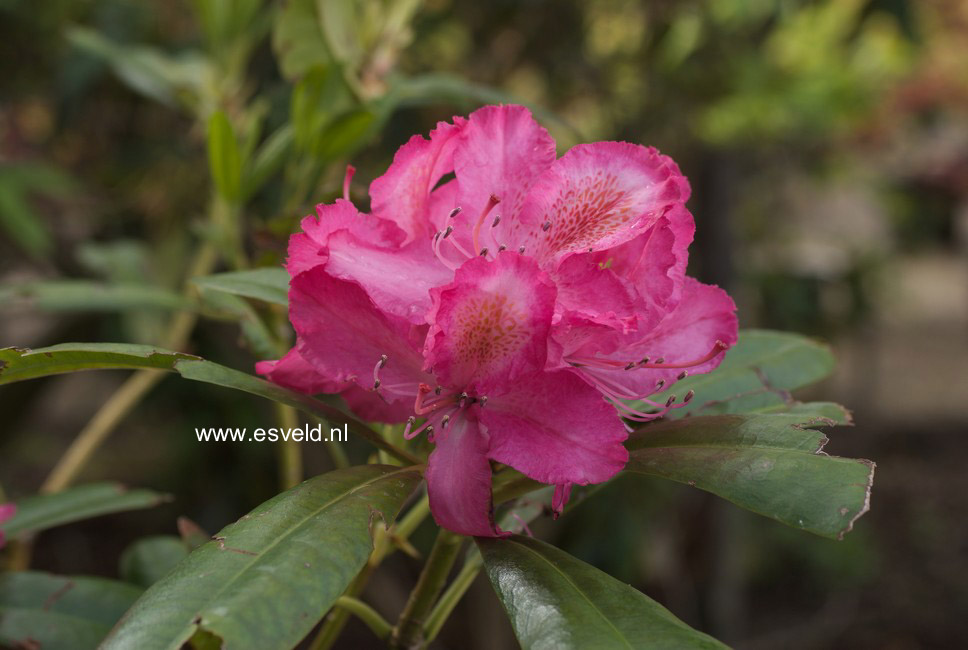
[462,399]
[501,248]
[454,212]
[447,232]
[682,375]
[376,384]
[411,420]
[483,401]
[483,252]
[644,360]
[659,384]
[630,365]
[688,397]
[430,430]
[670,401]
[660,361]
[438,390]
[547,226]
[383,360]
[443,421]
[496,221]
[521,250]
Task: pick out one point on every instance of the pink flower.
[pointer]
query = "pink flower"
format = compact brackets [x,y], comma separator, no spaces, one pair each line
[7,510]
[501,306]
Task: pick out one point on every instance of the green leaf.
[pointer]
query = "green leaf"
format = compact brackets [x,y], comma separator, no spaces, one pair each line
[18,364]
[86,295]
[165,79]
[557,601]
[772,464]
[347,133]
[757,374]
[264,581]
[39,610]
[267,160]
[147,560]
[270,284]
[43,511]
[224,159]
[297,39]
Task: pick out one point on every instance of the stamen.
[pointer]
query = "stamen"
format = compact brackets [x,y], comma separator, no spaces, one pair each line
[447,232]
[659,384]
[347,179]
[462,400]
[688,397]
[630,365]
[443,421]
[475,237]
[496,221]
[670,401]
[501,248]
[483,252]
[682,375]
[521,250]
[483,401]
[454,212]
[438,390]
[376,371]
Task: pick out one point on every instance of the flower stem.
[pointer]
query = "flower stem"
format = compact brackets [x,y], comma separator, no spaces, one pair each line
[290,451]
[453,594]
[379,625]
[409,631]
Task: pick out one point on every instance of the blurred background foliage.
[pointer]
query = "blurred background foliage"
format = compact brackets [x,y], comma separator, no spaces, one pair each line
[827,145]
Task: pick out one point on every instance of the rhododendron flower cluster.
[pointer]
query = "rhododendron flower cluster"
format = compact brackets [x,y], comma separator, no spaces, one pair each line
[508,304]
[7,510]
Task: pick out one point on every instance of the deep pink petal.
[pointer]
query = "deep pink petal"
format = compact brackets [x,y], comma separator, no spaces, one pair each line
[705,314]
[403,192]
[307,249]
[502,151]
[556,429]
[459,480]
[7,511]
[372,407]
[397,279]
[343,334]
[596,196]
[490,326]
[295,373]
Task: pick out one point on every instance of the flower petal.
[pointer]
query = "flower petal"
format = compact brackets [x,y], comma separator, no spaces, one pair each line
[309,248]
[402,193]
[343,334]
[556,429]
[705,314]
[295,373]
[502,151]
[459,480]
[490,326]
[595,197]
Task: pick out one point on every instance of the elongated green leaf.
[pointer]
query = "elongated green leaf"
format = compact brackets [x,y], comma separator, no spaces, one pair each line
[224,158]
[756,375]
[269,284]
[147,560]
[297,39]
[39,610]
[45,511]
[17,364]
[556,601]
[772,464]
[264,581]
[85,295]
[268,160]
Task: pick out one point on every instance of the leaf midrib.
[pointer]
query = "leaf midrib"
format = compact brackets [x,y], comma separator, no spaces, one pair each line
[262,553]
